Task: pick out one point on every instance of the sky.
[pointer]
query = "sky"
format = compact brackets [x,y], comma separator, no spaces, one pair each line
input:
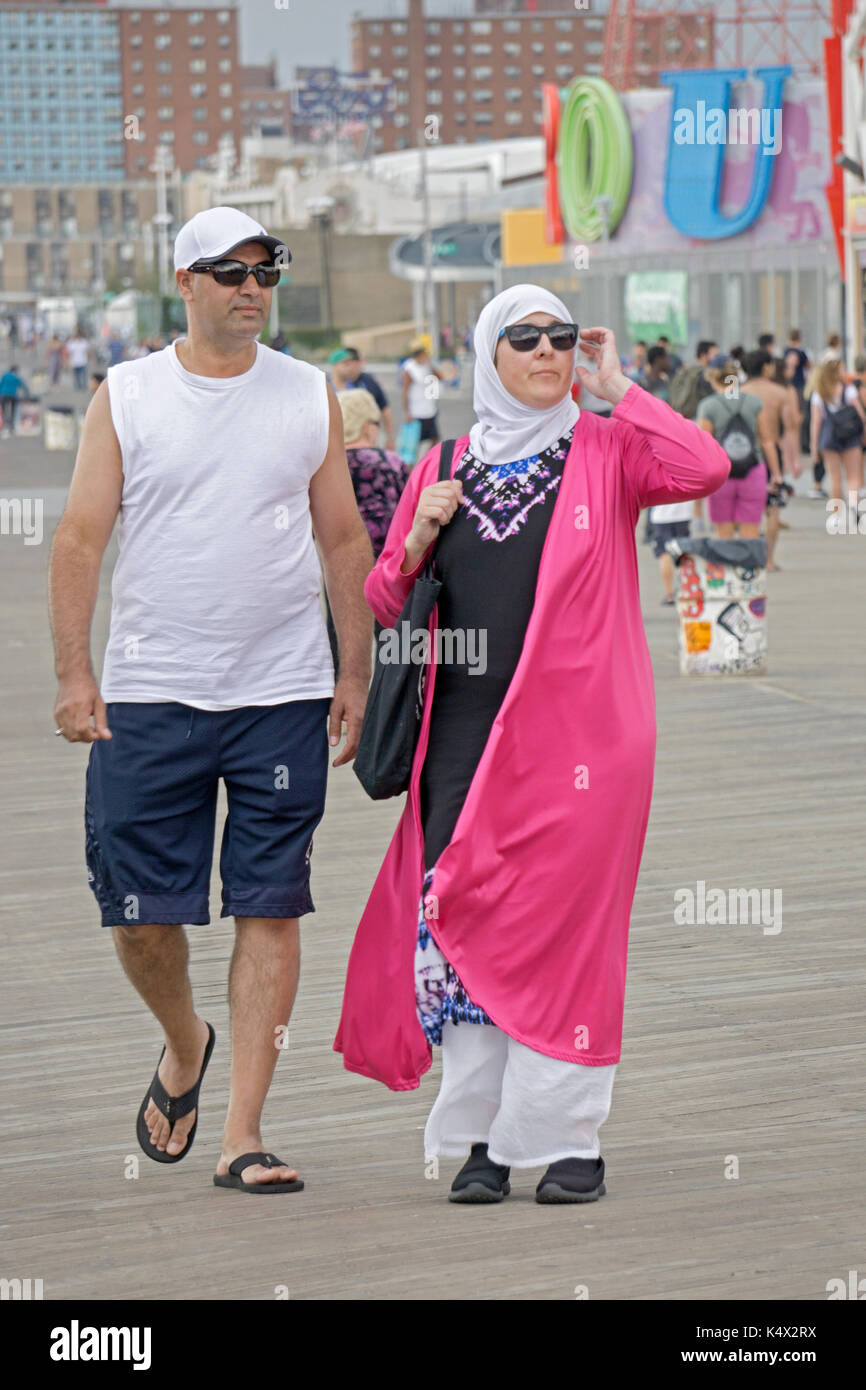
[316,31]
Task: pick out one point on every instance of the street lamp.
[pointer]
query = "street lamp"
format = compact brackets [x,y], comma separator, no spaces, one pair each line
[320,210]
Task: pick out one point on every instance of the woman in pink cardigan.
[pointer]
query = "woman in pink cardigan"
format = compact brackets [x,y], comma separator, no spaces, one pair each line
[498,924]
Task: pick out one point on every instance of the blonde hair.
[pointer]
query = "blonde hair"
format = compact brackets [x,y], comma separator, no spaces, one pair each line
[827,379]
[719,376]
[357,406]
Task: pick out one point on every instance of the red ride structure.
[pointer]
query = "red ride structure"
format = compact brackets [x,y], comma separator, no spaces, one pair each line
[646,37]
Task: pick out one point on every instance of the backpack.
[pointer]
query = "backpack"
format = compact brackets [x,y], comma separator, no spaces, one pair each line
[739,443]
[687,390]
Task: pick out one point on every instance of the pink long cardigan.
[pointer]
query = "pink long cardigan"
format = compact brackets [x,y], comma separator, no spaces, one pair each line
[531,898]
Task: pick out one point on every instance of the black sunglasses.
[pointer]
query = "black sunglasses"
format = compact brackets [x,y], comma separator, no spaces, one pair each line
[524,337]
[236,272]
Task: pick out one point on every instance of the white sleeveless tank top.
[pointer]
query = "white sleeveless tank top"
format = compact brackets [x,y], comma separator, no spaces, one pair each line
[215,594]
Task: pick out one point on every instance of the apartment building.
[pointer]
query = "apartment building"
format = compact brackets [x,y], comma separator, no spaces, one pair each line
[481,77]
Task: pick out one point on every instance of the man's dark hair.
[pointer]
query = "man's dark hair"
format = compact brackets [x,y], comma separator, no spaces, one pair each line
[704,346]
[655,354]
[97,376]
[755,362]
[662,339]
[765,340]
[794,335]
[14,367]
[640,343]
[354,354]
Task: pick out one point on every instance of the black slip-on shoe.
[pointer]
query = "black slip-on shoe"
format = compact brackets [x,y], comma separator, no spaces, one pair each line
[480,1180]
[572,1180]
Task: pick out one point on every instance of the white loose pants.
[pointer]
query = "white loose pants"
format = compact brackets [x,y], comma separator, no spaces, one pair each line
[529,1109]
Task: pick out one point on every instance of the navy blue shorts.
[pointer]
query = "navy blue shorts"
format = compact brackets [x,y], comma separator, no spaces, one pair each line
[664,531]
[150,810]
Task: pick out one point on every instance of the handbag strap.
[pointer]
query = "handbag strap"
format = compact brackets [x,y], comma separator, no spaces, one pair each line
[446,453]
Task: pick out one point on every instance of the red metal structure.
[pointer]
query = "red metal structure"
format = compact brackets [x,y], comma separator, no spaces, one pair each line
[644,37]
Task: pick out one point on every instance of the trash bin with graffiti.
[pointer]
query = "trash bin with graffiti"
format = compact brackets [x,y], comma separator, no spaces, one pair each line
[722,605]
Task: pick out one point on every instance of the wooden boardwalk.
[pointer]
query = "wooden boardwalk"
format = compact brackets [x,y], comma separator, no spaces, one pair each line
[737,1042]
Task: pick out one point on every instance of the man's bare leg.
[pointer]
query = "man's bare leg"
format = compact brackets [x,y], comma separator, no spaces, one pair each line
[156,961]
[263,981]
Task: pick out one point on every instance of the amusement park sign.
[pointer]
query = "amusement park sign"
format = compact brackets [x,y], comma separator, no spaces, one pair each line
[590,153]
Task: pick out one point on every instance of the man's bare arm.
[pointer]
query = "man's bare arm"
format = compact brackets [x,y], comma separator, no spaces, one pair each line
[79,544]
[347,558]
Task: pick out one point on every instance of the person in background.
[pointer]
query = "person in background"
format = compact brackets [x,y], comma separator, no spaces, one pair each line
[736,354]
[767,343]
[760,372]
[675,361]
[655,376]
[834,429]
[669,520]
[116,349]
[636,363]
[11,387]
[77,355]
[833,350]
[739,502]
[280,343]
[55,359]
[96,380]
[786,371]
[419,403]
[378,477]
[365,381]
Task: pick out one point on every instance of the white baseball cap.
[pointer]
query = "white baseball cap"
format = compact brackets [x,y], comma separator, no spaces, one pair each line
[212,234]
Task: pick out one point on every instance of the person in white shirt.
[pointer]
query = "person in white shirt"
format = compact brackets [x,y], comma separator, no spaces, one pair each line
[420,388]
[669,520]
[77,355]
[222,459]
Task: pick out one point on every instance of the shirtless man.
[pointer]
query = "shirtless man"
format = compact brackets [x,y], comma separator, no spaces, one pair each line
[760,372]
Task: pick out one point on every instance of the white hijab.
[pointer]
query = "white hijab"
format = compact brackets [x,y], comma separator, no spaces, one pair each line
[507,430]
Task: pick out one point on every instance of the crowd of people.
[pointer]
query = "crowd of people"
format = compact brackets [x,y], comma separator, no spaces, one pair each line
[768,407]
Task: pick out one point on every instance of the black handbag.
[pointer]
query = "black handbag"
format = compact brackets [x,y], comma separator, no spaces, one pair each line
[392,716]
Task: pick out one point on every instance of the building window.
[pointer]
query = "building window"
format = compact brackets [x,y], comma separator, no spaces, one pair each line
[458,96]
[564,25]
[564,70]
[482,74]
[135,40]
[538,48]
[593,23]
[400,51]
[483,94]
[227,113]
[165,113]
[196,40]
[198,90]
[223,16]
[538,71]
[513,118]
[164,89]
[161,18]
[225,64]
[459,50]
[512,26]
[482,117]
[596,46]
[162,41]
[564,46]
[400,74]
[199,113]
[434,97]
[433,27]
[375,28]
[224,40]
[514,94]
[512,49]
[375,50]
[198,65]
[480,26]
[164,65]
[225,89]
[397,28]
[433,74]
[136,65]
[195,17]
[433,50]
[482,48]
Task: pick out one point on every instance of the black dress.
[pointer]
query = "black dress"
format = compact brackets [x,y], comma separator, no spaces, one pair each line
[487,558]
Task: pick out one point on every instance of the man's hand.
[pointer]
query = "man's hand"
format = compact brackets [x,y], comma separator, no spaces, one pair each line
[347,707]
[77,700]
[608,381]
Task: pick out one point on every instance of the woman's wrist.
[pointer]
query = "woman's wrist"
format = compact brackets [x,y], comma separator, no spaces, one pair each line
[412,555]
[616,388]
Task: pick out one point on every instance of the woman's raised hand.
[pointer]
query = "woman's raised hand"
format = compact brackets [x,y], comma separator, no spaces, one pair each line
[436,506]
[608,381]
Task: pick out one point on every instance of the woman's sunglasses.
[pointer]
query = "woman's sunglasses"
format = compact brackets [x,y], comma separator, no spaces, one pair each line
[236,272]
[524,337]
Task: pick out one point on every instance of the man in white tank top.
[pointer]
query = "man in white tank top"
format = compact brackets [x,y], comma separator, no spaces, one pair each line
[221,459]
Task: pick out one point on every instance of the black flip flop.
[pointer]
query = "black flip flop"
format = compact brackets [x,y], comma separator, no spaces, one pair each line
[233,1177]
[172,1107]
